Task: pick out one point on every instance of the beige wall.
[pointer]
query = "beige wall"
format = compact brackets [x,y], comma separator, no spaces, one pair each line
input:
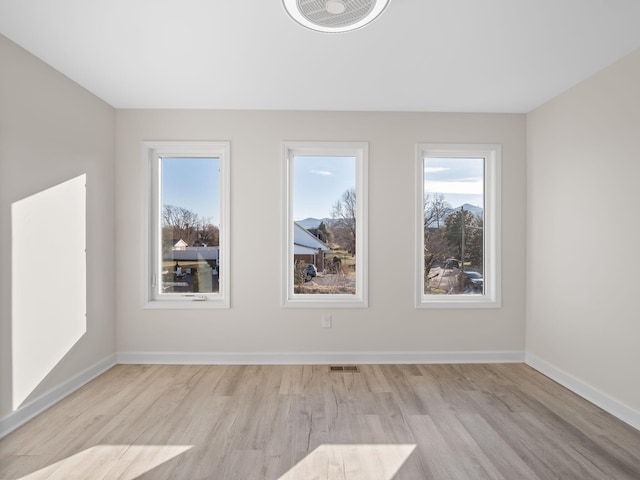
[256,322]
[52,131]
[581,229]
[577,220]
[584,230]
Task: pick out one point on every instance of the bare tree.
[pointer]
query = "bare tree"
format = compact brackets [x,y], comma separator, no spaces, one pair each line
[435,250]
[182,223]
[343,214]
[208,234]
[436,210]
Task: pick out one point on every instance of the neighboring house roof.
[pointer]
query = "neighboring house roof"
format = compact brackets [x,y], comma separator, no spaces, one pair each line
[196,253]
[302,250]
[302,237]
[180,244]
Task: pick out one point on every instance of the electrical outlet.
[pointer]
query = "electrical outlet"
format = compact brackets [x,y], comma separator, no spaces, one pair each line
[326,321]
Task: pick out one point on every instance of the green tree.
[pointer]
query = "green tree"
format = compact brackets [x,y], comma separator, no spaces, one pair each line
[471,234]
[324,234]
[474,248]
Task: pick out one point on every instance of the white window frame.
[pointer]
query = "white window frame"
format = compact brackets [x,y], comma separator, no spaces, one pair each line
[492,154]
[153,151]
[359,150]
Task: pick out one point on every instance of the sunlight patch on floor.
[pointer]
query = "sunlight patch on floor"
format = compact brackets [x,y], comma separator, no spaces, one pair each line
[124,462]
[345,462]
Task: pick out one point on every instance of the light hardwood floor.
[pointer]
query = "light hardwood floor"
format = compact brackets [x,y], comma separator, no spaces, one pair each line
[301,422]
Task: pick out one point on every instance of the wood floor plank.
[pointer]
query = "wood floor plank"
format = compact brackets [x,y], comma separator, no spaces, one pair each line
[497,449]
[471,457]
[387,422]
[440,460]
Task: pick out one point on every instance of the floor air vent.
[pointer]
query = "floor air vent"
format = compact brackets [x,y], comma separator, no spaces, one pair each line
[343,368]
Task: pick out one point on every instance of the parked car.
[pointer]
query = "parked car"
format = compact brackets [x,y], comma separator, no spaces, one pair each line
[312,271]
[451,263]
[474,281]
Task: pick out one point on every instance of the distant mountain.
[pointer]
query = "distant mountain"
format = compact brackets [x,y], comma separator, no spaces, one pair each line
[469,208]
[313,222]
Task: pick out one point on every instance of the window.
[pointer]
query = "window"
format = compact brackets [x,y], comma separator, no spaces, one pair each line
[457,234]
[188,224]
[324,224]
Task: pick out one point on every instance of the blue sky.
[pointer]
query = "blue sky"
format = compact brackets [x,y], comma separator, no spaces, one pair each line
[319,182]
[460,180]
[192,183]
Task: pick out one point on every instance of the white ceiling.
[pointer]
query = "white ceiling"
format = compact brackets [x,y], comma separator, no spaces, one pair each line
[420,55]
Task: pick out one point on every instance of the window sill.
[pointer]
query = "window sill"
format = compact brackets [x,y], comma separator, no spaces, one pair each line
[458,301]
[186,304]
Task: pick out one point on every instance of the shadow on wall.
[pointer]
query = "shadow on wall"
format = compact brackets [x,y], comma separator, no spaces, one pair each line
[48,282]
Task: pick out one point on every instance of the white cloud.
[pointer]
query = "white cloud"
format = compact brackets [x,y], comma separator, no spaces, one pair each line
[325,173]
[435,169]
[475,187]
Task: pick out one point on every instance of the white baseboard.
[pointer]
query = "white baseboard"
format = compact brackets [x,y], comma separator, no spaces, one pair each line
[33,408]
[317,358]
[586,391]
[28,411]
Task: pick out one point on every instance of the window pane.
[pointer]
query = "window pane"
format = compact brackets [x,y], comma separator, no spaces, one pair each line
[324,230]
[190,225]
[454,226]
